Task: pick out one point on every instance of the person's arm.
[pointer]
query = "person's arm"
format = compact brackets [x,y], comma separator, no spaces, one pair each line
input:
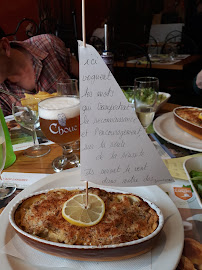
[197,83]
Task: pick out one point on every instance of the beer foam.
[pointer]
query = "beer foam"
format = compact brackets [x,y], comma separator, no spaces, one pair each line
[51,107]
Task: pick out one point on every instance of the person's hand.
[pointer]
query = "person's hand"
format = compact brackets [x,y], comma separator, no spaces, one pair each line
[199,80]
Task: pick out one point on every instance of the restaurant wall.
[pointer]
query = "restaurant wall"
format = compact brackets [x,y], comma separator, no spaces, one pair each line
[97,12]
[12,12]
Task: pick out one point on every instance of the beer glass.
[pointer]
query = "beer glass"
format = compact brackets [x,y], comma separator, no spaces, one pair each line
[4,191]
[145,98]
[27,116]
[60,122]
[67,87]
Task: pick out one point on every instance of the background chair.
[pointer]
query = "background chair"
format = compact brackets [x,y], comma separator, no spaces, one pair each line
[180,42]
[67,33]
[172,42]
[30,26]
[126,51]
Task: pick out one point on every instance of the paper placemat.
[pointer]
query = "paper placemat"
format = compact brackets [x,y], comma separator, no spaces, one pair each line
[21,180]
[175,166]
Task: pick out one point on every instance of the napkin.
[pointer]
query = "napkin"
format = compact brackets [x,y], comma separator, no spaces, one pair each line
[175,166]
[18,248]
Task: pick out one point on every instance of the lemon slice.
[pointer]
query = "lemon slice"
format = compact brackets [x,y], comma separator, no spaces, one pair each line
[200,116]
[75,212]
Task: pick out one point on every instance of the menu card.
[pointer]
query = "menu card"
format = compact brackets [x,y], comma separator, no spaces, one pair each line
[115,149]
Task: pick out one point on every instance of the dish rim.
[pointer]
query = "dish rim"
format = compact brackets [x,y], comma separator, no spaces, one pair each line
[160,125]
[62,245]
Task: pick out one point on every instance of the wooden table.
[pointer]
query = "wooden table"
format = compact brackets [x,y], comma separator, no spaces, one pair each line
[181,65]
[43,164]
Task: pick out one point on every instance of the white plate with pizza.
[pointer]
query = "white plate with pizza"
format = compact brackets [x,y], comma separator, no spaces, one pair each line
[167,251]
[166,127]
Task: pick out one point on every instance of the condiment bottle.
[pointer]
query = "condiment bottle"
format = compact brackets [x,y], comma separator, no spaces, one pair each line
[108,56]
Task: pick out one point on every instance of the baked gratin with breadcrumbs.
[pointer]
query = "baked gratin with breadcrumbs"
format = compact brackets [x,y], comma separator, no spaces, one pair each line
[127,217]
[191,115]
[189,119]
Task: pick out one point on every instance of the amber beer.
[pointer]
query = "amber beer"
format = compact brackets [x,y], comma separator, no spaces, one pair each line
[60,119]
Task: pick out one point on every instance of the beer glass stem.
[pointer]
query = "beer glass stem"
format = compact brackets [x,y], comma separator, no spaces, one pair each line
[67,149]
[68,154]
[67,160]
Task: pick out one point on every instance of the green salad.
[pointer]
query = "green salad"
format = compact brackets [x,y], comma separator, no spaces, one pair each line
[196,178]
[129,94]
[148,95]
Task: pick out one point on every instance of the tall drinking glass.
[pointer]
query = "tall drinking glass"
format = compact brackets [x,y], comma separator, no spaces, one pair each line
[60,123]
[4,191]
[27,116]
[68,87]
[145,98]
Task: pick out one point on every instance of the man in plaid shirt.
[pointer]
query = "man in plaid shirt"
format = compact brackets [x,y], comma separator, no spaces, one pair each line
[33,65]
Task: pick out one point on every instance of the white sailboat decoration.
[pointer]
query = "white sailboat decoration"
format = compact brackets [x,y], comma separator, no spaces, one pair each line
[115,149]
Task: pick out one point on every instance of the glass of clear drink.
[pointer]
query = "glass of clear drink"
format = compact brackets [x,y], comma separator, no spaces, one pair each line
[145,98]
[60,122]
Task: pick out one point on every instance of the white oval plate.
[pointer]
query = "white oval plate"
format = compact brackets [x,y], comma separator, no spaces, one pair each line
[166,128]
[168,248]
[194,163]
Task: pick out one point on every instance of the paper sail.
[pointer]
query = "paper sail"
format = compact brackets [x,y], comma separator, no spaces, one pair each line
[115,149]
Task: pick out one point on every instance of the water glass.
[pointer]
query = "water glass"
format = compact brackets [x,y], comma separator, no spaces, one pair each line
[67,87]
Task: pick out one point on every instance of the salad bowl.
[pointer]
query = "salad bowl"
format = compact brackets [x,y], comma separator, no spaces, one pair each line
[193,169]
[161,100]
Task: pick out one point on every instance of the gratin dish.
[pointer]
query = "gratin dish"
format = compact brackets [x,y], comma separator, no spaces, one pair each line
[91,253]
[191,128]
[194,163]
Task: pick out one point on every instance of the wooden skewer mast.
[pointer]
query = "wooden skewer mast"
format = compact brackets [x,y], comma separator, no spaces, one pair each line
[83,23]
[84,45]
